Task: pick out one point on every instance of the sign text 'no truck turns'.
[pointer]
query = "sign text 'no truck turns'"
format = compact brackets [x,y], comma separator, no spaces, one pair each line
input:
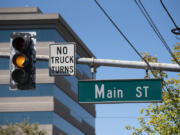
[62,59]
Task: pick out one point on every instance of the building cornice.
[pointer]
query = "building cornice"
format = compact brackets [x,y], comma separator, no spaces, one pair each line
[44,21]
[20,10]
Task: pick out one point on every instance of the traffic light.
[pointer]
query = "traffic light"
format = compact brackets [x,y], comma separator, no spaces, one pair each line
[22,60]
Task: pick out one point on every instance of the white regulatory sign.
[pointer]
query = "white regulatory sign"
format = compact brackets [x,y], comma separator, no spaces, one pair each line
[62,59]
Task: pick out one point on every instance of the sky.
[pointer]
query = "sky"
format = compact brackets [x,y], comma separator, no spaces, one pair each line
[101,37]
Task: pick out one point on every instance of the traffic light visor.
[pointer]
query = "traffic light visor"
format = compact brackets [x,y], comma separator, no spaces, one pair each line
[20,60]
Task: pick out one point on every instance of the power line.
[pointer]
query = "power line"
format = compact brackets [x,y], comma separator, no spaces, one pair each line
[176,30]
[155,29]
[116,117]
[153,26]
[148,65]
[131,45]
[119,117]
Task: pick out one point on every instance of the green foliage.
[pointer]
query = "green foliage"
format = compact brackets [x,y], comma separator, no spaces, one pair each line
[21,129]
[163,118]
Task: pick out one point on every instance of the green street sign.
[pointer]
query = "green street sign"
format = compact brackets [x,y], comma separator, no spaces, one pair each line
[125,91]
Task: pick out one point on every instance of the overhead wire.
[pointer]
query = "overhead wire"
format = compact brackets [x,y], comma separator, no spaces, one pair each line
[133,47]
[119,117]
[115,117]
[150,21]
[153,26]
[176,27]
[155,29]
[127,40]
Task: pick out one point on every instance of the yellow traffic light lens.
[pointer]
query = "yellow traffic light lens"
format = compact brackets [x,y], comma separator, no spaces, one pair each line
[20,60]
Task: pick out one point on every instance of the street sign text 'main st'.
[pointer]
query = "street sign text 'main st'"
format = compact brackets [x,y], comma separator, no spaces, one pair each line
[125,91]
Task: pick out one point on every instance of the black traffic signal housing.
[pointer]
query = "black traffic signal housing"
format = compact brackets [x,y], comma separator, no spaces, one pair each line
[22,60]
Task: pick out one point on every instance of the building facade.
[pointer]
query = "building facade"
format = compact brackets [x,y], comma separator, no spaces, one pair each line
[54,103]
